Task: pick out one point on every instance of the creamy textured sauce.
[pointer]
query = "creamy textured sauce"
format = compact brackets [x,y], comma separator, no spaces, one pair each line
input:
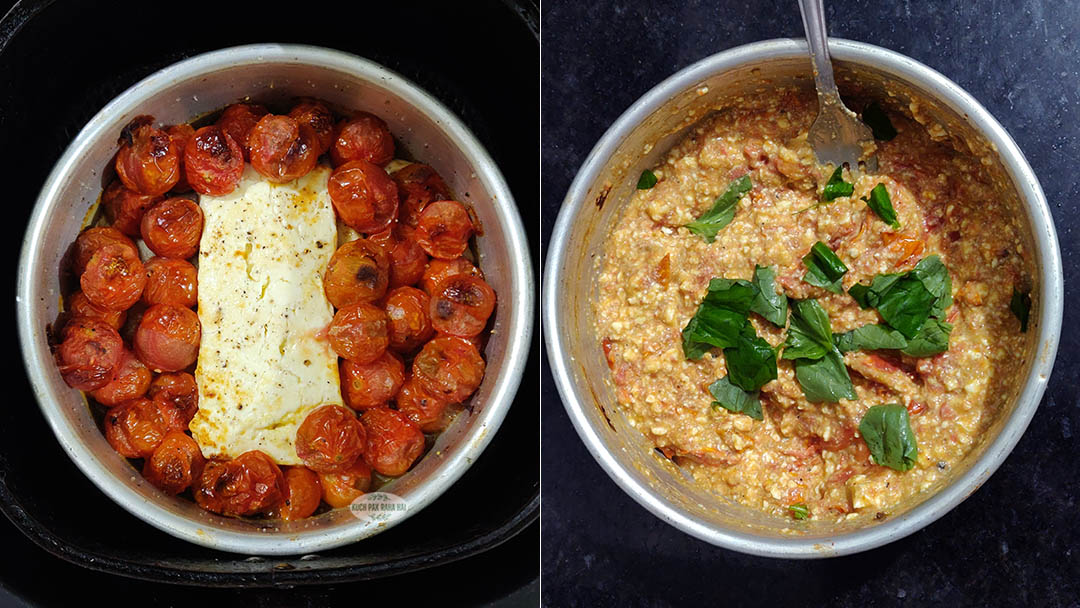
[655,272]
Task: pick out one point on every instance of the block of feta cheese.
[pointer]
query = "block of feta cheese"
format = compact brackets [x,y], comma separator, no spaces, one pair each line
[264,360]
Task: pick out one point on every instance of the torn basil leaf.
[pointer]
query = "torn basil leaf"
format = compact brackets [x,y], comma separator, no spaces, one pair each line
[799,511]
[819,366]
[880,203]
[809,335]
[887,432]
[770,305]
[878,121]
[1020,305]
[647,180]
[735,399]
[824,268]
[825,379]
[870,337]
[932,339]
[722,212]
[751,363]
[836,186]
[719,318]
[935,277]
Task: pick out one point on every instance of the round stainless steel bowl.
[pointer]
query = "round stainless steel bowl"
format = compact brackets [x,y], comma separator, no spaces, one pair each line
[272,72]
[594,203]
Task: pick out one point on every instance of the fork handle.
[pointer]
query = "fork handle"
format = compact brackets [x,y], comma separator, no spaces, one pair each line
[813,15]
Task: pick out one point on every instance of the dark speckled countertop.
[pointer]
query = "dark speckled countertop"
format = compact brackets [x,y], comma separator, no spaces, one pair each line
[1012,542]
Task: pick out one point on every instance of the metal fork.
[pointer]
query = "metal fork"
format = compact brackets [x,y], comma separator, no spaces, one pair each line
[837,136]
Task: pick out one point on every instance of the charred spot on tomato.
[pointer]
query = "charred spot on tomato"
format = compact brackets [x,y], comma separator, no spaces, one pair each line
[159,144]
[461,292]
[444,309]
[368,273]
[127,134]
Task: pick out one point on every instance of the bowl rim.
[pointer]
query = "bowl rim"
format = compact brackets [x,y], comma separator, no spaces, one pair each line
[1050,309]
[472,443]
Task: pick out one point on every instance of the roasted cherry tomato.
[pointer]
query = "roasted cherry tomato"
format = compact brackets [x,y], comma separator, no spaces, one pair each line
[181,135]
[393,441]
[213,161]
[364,196]
[89,354]
[461,305]
[419,405]
[249,484]
[359,332]
[358,272]
[173,227]
[362,137]
[131,379]
[177,390]
[136,428]
[167,338]
[171,281]
[438,270]
[340,489]
[302,494]
[80,306]
[175,464]
[330,439]
[114,278]
[281,149]
[418,185]
[238,120]
[368,385]
[149,160]
[316,115]
[92,239]
[449,367]
[410,324]
[443,229]
[124,208]
[408,260]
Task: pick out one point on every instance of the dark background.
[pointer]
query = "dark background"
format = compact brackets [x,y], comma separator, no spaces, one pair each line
[60,62]
[1012,542]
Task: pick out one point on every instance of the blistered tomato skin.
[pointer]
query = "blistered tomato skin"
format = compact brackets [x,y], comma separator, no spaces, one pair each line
[408,260]
[213,161]
[249,484]
[302,494]
[89,354]
[418,185]
[461,305]
[181,135]
[359,332]
[359,271]
[167,338]
[175,464]
[81,306]
[92,239]
[340,489]
[124,208]
[281,149]
[419,405]
[362,137]
[136,428]
[131,380]
[114,278]
[177,390]
[394,442]
[238,120]
[443,229]
[173,227]
[364,196]
[438,270]
[407,310]
[171,281]
[330,439]
[449,367]
[319,118]
[368,385]
[148,161]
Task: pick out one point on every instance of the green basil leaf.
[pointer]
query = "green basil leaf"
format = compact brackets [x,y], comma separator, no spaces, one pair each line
[735,399]
[935,277]
[1020,305]
[932,339]
[770,305]
[887,432]
[824,268]
[647,180]
[825,379]
[878,121]
[880,204]
[809,335]
[722,212]
[799,511]
[906,305]
[719,318]
[836,186]
[870,337]
[751,363]
[869,296]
